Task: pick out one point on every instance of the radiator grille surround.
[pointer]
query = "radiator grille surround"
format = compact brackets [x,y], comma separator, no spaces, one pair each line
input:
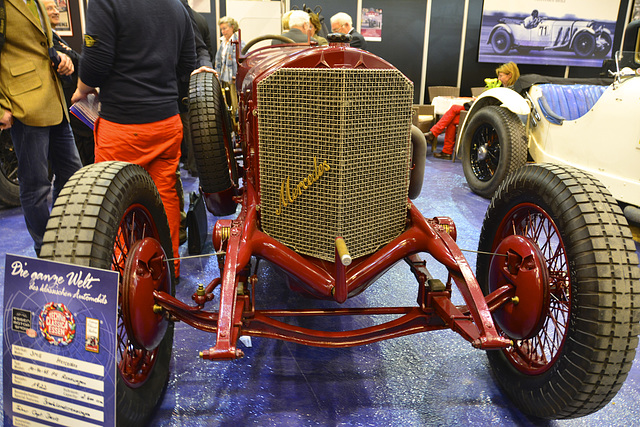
[334,157]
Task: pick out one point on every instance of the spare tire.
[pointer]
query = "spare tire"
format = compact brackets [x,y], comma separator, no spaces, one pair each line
[210,133]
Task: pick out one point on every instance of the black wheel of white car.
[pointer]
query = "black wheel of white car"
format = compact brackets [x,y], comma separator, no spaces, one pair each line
[494,145]
[603,45]
[575,336]
[9,187]
[210,133]
[501,41]
[103,211]
[584,44]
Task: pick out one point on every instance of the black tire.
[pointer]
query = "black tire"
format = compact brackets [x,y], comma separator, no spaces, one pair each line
[9,187]
[582,351]
[493,146]
[210,133]
[604,47]
[99,209]
[501,41]
[584,44]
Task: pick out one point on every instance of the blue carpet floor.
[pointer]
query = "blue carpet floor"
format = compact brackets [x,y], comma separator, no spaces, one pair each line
[434,378]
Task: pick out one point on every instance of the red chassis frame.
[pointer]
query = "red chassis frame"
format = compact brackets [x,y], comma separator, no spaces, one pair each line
[241,239]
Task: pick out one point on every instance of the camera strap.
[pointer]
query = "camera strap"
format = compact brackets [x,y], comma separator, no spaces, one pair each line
[3,23]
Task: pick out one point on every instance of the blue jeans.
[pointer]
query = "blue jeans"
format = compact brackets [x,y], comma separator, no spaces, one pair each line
[35,147]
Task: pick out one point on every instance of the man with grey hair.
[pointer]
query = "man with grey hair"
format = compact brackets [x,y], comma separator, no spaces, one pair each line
[342,23]
[299,25]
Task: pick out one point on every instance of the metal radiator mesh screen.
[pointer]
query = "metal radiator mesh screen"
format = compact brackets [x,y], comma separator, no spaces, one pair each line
[334,157]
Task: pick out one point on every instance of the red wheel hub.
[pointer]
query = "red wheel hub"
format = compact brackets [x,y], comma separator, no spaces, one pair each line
[145,271]
[524,268]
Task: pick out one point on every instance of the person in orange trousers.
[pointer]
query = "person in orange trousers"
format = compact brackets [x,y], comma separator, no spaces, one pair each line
[154,146]
[507,74]
[448,123]
[137,63]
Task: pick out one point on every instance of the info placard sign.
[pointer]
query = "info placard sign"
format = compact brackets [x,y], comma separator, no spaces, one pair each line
[59,347]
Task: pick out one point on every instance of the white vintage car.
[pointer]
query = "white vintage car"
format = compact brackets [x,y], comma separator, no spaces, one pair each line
[589,126]
[584,38]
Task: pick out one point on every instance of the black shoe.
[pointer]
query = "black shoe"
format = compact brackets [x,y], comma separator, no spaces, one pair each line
[183,228]
[430,137]
[441,155]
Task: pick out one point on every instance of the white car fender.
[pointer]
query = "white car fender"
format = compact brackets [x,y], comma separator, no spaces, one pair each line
[502,96]
[502,25]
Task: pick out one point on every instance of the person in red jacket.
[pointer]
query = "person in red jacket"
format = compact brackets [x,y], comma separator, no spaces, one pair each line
[507,74]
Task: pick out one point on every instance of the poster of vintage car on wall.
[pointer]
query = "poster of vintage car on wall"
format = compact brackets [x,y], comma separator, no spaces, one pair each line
[560,32]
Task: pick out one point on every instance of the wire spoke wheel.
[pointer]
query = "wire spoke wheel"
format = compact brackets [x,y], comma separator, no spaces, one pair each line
[579,340]
[536,354]
[9,186]
[501,41]
[493,146]
[134,364]
[103,211]
[485,152]
[584,44]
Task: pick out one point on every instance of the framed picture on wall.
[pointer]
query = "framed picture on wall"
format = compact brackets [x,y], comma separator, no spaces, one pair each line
[569,33]
[371,27]
[64,28]
[202,6]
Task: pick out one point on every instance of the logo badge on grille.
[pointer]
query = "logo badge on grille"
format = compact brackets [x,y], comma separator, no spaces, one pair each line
[288,195]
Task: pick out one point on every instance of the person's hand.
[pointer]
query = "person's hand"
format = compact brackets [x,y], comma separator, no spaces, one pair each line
[203,69]
[65,68]
[7,120]
[64,46]
[82,91]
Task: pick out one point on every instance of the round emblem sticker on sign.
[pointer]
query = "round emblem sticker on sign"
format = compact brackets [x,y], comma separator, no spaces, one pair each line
[57,324]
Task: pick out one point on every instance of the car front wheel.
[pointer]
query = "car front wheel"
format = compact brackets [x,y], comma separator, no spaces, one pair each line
[501,41]
[584,45]
[574,327]
[102,215]
[493,146]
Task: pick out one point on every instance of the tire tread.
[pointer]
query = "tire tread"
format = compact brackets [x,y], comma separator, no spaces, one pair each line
[603,336]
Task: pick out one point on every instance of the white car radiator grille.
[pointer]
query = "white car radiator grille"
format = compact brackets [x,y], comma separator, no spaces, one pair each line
[334,157]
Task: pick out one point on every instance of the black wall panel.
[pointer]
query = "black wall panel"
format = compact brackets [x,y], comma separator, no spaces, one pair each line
[402,31]
[445,36]
[329,8]
[403,36]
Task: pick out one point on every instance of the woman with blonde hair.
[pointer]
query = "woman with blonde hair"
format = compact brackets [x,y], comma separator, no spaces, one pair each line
[507,73]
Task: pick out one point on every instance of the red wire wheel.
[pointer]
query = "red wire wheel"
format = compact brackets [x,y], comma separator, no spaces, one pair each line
[135,363]
[540,334]
[103,213]
[574,331]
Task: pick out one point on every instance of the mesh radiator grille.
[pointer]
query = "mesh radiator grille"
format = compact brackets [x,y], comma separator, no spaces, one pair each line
[334,158]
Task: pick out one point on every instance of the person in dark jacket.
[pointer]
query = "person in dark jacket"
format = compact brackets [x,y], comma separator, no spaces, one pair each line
[130,54]
[300,26]
[342,23]
[82,134]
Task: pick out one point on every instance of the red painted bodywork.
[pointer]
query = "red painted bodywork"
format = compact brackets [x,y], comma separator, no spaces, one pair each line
[241,239]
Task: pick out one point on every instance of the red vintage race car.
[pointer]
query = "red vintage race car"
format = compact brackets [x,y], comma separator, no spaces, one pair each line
[321,169]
